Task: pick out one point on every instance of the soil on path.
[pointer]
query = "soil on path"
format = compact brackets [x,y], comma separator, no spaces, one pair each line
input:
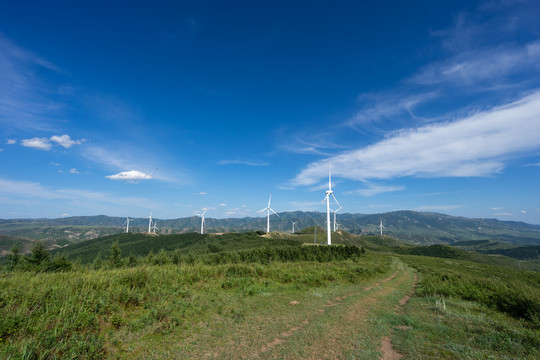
[389,353]
[346,324]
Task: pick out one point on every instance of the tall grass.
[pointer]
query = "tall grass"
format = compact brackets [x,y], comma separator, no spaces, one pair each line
[85,314]
[516,293]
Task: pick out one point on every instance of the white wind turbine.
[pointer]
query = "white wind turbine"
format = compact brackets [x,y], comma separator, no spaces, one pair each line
[202,219]
[381,226]
[327,199]
[293,222]
[126,223]
[154,227]
[268,209]
[149,222]
[335,211]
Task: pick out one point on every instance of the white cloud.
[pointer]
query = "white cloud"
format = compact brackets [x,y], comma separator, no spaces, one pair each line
[37,143]
[200,194]
[497,208]
[65,141]
[306,205]
[27,189]
[478,145]
[523,211]
[502,214]
[42,143]
[131,175]
[11,141]
[437,207]
[54,164]
[1,149]
[74,171]
[242,162]
[477,66]
[222,204]
[374,189]
[25,101]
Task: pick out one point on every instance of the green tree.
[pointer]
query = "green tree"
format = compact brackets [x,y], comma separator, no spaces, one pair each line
[98,262]
[15,257]
[115,258]
[39,257]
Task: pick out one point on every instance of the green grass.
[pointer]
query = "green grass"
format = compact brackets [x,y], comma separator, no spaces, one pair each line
[467,310]
[92,314]
[223,296]
[142,244]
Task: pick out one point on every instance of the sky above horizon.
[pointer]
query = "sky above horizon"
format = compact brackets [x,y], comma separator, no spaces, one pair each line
[125,107]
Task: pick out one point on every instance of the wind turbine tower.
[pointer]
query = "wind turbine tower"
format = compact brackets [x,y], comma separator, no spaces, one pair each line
[327,199]
[268,209]
[150,222]
[335,211]
[381,226]
[154,227]
[126,223]
[202,219]
[293,222]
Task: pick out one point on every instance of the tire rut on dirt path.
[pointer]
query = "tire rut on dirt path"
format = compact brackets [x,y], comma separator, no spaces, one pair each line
[344,322]
[388,351]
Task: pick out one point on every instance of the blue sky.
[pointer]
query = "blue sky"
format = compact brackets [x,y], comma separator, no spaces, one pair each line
[126,107]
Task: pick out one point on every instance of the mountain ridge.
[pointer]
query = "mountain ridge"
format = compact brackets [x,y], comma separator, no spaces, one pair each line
[406,225]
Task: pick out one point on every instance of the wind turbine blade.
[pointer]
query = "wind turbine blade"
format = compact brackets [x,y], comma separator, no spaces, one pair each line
[269,199]
[336,201]
[325,198]
[273,211]
[330,178]
[262,210]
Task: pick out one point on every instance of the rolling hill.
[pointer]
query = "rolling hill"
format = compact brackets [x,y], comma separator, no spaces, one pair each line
[420,228]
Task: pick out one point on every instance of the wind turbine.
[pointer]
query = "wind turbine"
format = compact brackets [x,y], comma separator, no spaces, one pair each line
[154,227]
[126,223]
[335,211]
[293,222]
[327,199]
[149,222]
[268,209]
[381,226]
[202,219]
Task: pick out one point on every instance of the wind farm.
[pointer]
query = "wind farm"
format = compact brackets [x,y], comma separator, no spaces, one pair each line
[395,146]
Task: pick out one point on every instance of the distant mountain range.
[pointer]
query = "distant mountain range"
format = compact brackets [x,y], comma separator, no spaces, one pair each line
[410,226]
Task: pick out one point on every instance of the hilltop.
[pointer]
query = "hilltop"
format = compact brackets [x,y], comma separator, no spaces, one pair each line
[420,228]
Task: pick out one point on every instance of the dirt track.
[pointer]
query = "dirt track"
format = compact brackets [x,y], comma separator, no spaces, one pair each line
[348,321]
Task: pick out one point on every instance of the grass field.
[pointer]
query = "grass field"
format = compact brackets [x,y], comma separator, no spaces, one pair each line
[240,297]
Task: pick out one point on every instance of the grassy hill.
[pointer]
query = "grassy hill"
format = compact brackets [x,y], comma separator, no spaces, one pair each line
[192,243]
[159,307]
[418,228]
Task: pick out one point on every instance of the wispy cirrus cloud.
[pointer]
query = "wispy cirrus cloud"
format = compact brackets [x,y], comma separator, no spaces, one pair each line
[486,65]
[25,102]
[120,155]
[437,207]
[242,162]
[479,145]
[374,189]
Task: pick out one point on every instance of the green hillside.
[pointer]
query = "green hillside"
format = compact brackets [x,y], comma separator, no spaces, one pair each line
[420,228]
[206,293]
[193,243]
